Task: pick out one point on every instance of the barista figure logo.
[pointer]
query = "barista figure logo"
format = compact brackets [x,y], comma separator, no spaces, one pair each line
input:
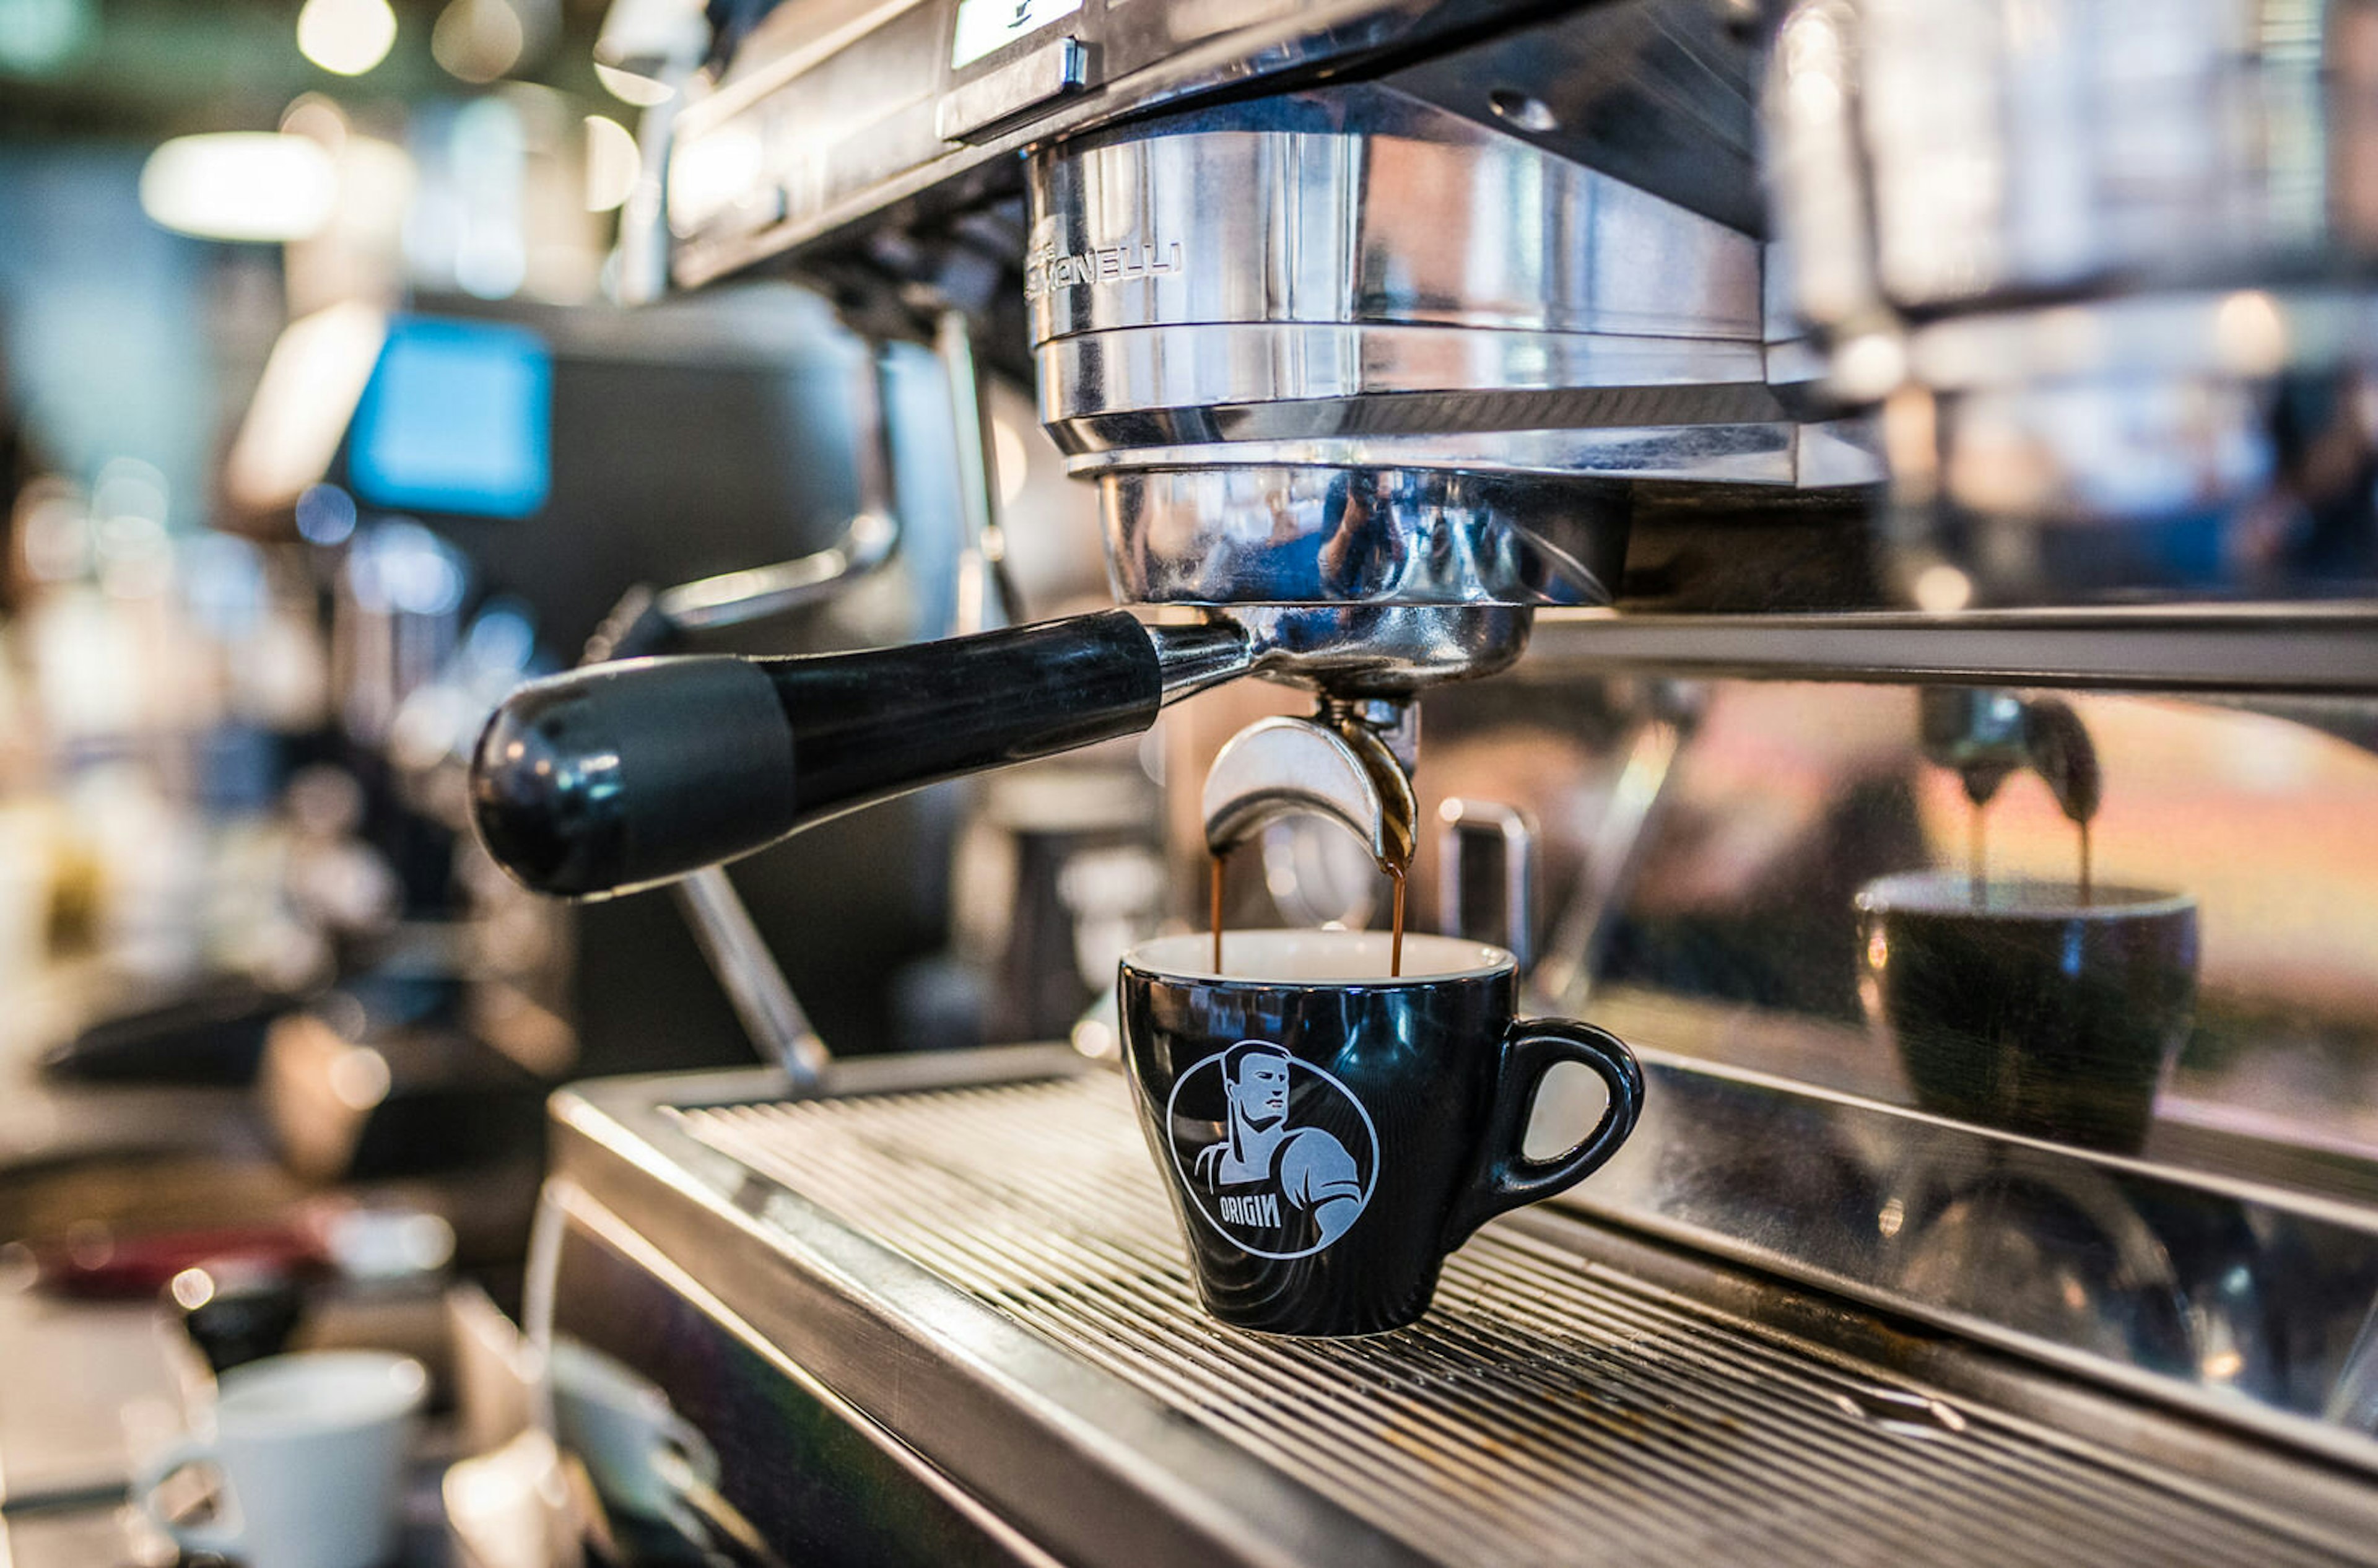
[1295,1158]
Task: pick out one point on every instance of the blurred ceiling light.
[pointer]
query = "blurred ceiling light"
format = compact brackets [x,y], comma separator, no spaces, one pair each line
[359,1077]
[318,119]
[1943,590]
[240,185]
[628,88]
[347,37]
[193,1288]
[326,515]
[478,40]
[303,403]
[612,164]
[2250,334]
[39,36]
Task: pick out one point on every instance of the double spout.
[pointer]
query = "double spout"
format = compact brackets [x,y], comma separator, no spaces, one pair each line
[1341,764]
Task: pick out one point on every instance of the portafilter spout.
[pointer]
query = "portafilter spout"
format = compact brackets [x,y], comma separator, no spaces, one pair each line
[1333,766]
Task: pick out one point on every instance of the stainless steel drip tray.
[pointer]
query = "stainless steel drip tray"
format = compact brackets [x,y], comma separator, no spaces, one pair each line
[977,1258]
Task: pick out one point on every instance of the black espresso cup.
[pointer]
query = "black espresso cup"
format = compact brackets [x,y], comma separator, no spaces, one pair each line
[2031,1010]
[1329,1133]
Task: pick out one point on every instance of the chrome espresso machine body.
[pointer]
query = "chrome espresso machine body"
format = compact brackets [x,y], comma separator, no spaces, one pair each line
[1806,415]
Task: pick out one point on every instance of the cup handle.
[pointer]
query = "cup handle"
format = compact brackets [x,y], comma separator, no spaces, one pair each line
[218,1538]
[699,1459]
[1531,1049]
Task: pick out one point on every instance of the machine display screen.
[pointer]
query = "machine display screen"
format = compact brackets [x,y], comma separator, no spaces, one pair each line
[457,418]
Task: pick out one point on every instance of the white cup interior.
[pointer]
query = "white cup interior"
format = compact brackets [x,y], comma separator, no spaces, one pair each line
[1952,893]
[1317,958]
[319,1392]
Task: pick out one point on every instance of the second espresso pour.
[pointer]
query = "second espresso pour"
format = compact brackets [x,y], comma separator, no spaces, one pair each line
[1976,865]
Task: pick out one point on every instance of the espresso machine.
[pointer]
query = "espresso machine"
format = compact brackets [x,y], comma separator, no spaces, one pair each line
[1622,393]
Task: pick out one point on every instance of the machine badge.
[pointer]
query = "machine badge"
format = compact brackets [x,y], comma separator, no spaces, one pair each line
[1046,270]
[1276,1154]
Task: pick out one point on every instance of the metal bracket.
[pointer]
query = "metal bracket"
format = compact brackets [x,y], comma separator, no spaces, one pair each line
[1467,829]
[1573,952]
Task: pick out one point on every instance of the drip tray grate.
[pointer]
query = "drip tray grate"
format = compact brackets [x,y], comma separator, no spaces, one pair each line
[1548,1409]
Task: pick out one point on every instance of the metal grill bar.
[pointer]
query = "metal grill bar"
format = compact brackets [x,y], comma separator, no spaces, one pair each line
[1548,1409]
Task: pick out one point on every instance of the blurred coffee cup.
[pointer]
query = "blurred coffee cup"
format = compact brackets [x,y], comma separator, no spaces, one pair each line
[311,1450]
[2026,1006]
[642,1456]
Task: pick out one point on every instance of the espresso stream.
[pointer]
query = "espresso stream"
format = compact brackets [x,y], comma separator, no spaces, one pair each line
[1976,860]
[1214,919]
[1398,875]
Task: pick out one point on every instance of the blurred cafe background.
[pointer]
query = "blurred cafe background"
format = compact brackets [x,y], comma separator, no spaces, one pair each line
[361,360]
[320,428]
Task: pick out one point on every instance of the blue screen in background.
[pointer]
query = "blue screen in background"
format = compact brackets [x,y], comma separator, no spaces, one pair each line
[457,418]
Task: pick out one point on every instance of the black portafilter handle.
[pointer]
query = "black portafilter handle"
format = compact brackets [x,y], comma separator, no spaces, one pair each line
[619,776]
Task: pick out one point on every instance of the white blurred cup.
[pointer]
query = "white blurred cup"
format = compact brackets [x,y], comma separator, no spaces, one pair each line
[643,1458]
[311,1450]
